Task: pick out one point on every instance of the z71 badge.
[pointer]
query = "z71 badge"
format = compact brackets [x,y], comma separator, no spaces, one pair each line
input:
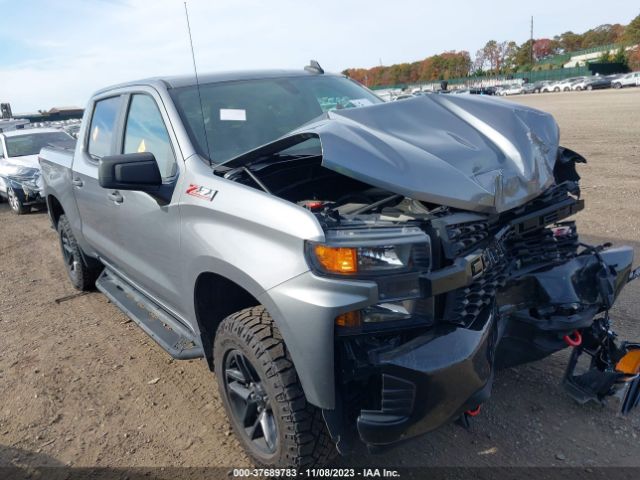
[201,192]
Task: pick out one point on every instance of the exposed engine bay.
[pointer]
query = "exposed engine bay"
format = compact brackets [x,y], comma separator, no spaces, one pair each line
[466,290]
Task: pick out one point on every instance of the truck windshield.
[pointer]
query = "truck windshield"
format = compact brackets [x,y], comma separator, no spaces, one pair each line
[242,115]
[31,143]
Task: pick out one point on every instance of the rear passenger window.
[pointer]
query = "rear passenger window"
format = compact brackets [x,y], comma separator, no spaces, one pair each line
[146,132]
[102,126]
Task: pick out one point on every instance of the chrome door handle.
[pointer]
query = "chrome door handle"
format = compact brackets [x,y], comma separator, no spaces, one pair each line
[77,182]
[116,197]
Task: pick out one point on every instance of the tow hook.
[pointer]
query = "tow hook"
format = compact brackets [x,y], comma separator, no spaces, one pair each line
[613,368]
[465,419]
[474,413]
[574,341]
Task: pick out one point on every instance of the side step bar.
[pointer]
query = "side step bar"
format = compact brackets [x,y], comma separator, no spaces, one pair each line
[160,325]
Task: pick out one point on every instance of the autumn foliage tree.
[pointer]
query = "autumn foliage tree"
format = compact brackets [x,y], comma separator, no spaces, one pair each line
[632,31]
[437,67]
[503,57]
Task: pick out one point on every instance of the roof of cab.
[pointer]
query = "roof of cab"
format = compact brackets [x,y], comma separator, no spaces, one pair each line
[203,79]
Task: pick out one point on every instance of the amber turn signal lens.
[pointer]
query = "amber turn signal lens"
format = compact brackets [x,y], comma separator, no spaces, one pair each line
[337,259]
[630,363]
[349,319]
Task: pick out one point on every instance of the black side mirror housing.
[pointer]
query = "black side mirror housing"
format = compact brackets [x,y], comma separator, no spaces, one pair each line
[134,171]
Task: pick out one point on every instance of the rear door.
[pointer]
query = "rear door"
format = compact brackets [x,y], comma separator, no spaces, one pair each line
[99,209]
[148,254]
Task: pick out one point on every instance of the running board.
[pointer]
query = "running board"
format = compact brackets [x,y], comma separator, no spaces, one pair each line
[163,327]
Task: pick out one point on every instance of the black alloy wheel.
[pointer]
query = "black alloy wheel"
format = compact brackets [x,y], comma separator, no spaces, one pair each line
[251,408]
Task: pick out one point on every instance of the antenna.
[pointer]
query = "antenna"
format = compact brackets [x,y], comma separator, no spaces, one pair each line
[195,69]
[531,44]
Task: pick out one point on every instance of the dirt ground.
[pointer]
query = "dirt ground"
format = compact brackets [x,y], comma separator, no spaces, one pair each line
[81,385]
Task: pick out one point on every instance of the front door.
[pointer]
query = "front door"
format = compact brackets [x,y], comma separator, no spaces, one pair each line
[149,231]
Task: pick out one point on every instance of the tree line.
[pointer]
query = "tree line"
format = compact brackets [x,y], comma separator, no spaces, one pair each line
[504,57]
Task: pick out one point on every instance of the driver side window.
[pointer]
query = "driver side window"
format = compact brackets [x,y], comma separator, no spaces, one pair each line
[145,131]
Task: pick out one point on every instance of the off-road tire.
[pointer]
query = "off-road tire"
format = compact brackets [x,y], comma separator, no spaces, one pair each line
[302,437]
[15,203]
[82,276]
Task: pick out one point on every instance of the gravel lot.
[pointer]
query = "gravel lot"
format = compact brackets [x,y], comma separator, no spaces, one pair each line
[81,385]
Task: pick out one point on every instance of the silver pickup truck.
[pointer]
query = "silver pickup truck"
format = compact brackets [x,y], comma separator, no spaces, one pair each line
[351,270]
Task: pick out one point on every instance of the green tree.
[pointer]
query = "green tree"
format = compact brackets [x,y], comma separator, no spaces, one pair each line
[620,56]
[522,55]
[632,31]
[569,41]
[605,57]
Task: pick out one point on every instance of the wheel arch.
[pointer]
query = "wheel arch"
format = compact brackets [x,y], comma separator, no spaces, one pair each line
[215,297]
[55,209]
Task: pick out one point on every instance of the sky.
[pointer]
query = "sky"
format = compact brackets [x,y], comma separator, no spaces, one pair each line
[56,53]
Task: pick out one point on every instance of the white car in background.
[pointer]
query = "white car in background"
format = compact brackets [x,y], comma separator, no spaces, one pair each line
[548,87]
[567,84]
[20,181]
[581,84]
[629,80]
[515,89]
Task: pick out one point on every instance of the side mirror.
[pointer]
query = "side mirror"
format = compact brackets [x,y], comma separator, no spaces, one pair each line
[134,171]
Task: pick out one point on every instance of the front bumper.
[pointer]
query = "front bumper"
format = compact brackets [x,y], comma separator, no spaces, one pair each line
[431,380]
[28,189]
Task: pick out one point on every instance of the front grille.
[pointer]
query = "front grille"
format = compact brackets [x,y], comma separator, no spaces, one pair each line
[543,246]
[463,237]
[421,256]
[464,305]
[511,242]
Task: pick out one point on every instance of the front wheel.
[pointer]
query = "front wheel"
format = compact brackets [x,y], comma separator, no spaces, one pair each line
[589,87]
[617,85]
[263,397]
[15,203]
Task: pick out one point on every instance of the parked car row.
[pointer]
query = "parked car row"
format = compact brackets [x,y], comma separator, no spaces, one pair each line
[572,84]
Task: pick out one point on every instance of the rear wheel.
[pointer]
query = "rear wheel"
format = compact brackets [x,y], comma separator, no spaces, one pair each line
[263,397]
[82,275]
[15,203]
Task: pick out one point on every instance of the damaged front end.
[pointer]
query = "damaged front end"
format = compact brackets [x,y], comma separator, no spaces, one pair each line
[476,263]
[25,182]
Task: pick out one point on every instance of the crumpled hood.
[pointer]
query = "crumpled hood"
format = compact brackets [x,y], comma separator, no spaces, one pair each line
[27,161]
[469,152]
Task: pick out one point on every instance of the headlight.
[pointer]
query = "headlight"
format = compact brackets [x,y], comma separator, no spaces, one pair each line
[370,251]
[393,257]
[386,316]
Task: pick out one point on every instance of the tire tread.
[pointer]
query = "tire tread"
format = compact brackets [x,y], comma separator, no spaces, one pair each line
[307,441]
